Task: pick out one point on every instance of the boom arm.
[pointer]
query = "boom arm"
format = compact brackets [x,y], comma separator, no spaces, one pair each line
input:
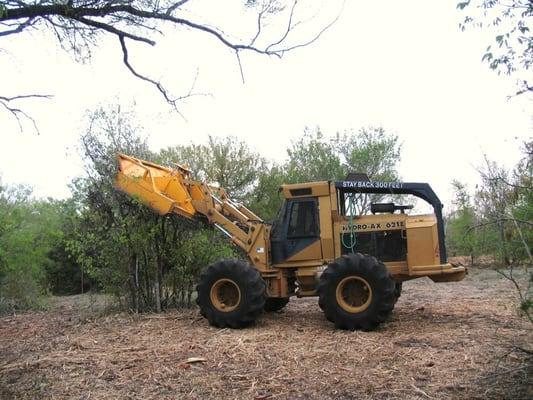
[166,190]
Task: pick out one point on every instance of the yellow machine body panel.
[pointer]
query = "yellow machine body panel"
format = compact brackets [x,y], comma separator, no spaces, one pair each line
[422,243]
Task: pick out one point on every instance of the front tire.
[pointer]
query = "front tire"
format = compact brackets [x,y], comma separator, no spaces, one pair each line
[356,291]
[231,294]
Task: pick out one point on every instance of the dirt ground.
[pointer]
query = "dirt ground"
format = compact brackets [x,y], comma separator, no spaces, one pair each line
[444,341]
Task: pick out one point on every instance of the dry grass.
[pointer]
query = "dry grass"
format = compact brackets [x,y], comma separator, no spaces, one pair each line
[444,341]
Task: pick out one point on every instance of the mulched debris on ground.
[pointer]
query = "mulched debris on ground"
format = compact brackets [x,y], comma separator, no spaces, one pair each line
[444,341]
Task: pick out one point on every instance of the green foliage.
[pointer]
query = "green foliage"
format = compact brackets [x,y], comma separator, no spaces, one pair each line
[265,200]
[29,229]
[461,222]
[500,224]
[313,157]
[63,274]
[200,249]
[226,161]
[512,50]
[370,150]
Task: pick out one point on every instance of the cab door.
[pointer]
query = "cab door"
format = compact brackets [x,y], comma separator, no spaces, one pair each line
[299,238]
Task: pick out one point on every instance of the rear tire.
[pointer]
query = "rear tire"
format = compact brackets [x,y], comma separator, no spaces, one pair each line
[275,303]
[356,291]
[231,294]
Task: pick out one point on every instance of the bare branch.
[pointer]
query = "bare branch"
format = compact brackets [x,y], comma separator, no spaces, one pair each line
[496,221]
[113,30]
[17,113]
[120,11]
[158,85]
[175,6]
[513,185]
[25,96]
[316,37]
[20,27]
[77,24]
[240,65]
[524,89]
[288,30]
[519,290]
[260,15]
[173,102]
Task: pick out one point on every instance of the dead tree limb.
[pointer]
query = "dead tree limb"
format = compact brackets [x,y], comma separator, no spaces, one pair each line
[78,24]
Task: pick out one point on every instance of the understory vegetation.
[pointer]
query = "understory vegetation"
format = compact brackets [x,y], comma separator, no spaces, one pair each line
[493,224]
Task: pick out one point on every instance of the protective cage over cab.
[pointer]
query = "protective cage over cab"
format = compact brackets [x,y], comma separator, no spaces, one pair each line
[318,223]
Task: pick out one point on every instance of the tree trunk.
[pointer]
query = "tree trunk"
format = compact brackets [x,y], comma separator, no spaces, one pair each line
[147,284]
[82,282]
[136,284]
[157,280]
[505,255]
[522,239]
[157,287]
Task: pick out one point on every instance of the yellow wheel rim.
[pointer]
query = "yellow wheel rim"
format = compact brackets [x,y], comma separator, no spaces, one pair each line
[353,294]
[225,295]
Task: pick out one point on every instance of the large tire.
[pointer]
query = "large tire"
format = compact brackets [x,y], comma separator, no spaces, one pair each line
[356,291]
[398,290]
[275,303]
[231,294]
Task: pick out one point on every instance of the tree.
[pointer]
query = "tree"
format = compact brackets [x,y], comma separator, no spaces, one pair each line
[501,224]
[372,151]
[512,50]
[228,161]
[493,207]
[29,230]
[64,275]
[149,260]
[313,157]
[460,222]
[80,24]
[522,197]
[265,200]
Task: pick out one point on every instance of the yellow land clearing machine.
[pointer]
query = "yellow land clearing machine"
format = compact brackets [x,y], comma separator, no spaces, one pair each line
[318,246]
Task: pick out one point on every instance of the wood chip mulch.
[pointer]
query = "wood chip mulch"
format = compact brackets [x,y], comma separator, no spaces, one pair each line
[444,341]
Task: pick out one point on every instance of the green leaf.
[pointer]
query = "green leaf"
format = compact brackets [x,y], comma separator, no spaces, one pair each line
[487,57]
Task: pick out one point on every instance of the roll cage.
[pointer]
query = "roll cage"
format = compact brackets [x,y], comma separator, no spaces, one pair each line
[421,190]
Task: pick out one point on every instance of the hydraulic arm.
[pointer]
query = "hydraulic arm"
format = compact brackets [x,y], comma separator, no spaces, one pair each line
[169,190]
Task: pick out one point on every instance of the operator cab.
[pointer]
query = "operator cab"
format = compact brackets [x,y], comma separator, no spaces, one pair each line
[296,228]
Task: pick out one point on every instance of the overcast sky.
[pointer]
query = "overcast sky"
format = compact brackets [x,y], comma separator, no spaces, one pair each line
[404,66]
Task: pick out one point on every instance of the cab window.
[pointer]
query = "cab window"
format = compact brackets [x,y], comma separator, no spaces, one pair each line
[303,219]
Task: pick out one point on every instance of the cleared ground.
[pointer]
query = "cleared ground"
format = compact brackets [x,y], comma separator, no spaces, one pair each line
[444,341]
